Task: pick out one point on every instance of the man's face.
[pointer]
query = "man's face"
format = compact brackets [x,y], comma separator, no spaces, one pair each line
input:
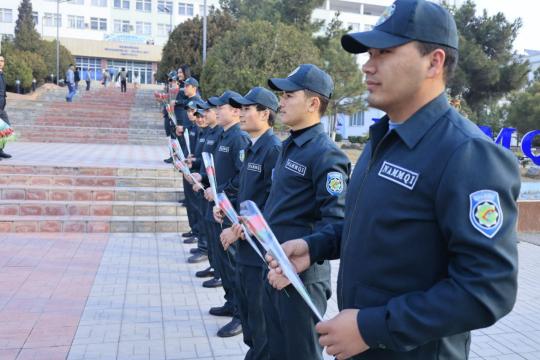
[2,62]
[201,121]
[210,117]
[293,107]
[190,90]
[226,114]
[191,115]
[251,120]
[394,76]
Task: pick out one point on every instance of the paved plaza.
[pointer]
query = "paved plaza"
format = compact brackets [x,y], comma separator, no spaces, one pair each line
[134,296]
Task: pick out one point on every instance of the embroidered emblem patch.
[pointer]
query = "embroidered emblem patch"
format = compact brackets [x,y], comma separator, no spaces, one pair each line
[295,167]
[398,175]
[334,183]
[254,167]
[242,155]
[485,212]
[387,13]
[223,149]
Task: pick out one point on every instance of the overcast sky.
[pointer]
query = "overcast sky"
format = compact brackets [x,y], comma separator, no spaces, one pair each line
[527,10]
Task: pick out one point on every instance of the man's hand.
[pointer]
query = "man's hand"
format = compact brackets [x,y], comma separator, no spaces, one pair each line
[218,214]
[208,195]
[197,177]
[188,178]
[179,130]
[189,162]
[238,231]
[298,253]
[341,336]
[227,238]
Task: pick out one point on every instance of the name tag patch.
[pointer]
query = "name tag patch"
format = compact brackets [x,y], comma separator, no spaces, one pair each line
[210,142]
[202,140]
[398,175]
[295,167]
[223,148]
[254,167]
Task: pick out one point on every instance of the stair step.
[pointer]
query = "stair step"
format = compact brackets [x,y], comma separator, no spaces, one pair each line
[84,193]
[84,180]
[90,208]
[166,172]
[93,224]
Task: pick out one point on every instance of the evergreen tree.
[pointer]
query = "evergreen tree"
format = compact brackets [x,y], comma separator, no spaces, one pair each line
[26,36]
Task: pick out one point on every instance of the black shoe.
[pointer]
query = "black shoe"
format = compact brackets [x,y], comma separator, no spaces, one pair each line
[212,283]
[208,272]
[233,328]
[197,258]
[221,311]
[188,234]
[191,240]
[168,161]
[196,251]
[4,155]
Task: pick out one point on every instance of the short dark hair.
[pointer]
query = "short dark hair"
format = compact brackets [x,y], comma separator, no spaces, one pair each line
[450,60]
[323,100]
[271,114]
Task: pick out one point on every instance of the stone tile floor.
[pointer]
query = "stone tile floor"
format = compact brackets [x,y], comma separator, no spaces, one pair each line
[134,296]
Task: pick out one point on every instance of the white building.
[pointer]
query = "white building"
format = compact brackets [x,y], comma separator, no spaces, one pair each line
[359,15]
[108,34]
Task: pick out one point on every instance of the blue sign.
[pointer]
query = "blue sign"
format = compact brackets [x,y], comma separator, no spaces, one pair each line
[504,138]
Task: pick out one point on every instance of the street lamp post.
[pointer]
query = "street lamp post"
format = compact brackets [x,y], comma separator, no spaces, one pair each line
[204,35]
[58,38]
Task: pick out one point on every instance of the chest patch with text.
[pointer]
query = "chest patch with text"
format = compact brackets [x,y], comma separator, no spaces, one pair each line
[295,167]
[398,175]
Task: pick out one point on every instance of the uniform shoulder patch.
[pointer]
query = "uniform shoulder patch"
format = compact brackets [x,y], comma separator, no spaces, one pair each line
[335,183]
[485,212]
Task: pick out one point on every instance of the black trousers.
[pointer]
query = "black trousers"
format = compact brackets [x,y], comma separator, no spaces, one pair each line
[225,263]
[202,243]
[87,85]
[290,323]
[3,114]
[191,207]
[123,86]
[250,290]
[211,245]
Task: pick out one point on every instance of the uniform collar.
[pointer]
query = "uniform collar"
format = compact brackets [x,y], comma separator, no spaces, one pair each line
[262,139]
[308,135]
[414,129]
[232,129]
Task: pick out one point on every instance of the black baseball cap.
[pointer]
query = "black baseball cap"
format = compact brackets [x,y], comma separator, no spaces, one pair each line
[305,77]
[257,95]
[224,98]
[191,81]
[405,21]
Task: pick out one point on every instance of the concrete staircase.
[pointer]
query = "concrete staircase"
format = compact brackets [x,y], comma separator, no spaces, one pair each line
[90,199]
[100,116]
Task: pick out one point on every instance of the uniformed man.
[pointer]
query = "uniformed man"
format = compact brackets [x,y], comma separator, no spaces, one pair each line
[308,192]
[428,245]
[257,117]
[190,201]
[212,136]
[228,159]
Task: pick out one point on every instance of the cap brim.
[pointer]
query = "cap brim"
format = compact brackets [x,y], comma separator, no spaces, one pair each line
[283,85]
[361,42]
[214,101]
[203,106]
[238,102]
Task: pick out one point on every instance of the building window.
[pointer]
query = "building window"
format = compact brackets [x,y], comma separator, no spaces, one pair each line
[144,5]
[98,24]
[164,6]
[75,22]
[185,9]
[357,119]
[163,29]
[50,19]
[35,17]
[76,2]
[100,3]
[143,28]
[355,27]
[121,4]
[367,27]
[201,10]
[6,15]
[121,26]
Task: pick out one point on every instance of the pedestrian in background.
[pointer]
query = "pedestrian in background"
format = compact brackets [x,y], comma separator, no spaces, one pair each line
[77,78]
[122,76]
[3,113]
[70,82]
[88,79]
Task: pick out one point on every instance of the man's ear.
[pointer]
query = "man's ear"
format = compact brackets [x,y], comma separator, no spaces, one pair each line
[314,103]
[436,63]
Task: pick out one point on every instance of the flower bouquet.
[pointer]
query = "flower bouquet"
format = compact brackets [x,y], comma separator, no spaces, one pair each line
[6,133]
[254,221]
[226,206]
